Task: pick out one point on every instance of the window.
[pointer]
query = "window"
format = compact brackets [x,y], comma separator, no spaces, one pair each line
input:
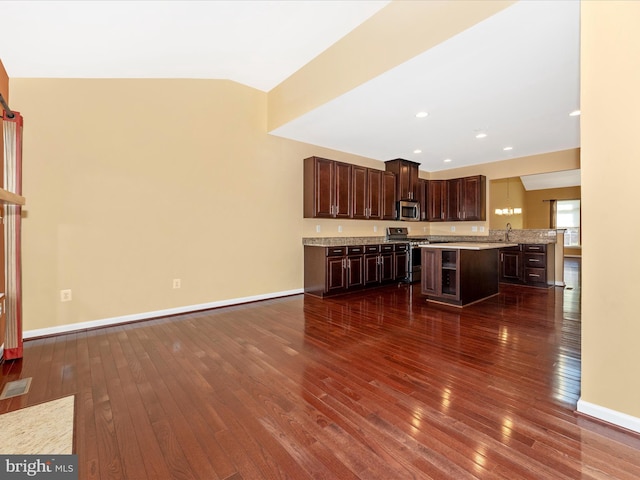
[568,217]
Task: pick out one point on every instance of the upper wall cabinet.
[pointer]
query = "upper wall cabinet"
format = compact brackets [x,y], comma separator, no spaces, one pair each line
[406,178]
[437,201]
[466,199]
[327,188]
[367,193]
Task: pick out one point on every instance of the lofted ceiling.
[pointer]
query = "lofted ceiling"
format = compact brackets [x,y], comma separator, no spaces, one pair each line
[513,77]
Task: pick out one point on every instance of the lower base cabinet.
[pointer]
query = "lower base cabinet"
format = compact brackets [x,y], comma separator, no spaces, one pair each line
[459,277]
[343,269]
[528,264]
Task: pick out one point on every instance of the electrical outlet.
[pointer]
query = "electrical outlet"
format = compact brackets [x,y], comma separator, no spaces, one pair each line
[339,228]
[482,229]
[474,229]
[65,295]
[176,283]
[453,229]
[317,228]
[375,228]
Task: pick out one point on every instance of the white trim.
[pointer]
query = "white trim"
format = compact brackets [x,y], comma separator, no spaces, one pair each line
[611,416]
[1,351]
[560,284]
[105,322]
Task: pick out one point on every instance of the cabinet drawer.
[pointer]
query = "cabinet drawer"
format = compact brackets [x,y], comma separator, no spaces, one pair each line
[535,248]
[336,251]
[401,247]
[355,250]
[371,248]
[535,260]
[535,275]
[387,247]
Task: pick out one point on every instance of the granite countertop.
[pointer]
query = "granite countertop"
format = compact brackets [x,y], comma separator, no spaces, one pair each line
[543,236]
[347,241]
[470,245]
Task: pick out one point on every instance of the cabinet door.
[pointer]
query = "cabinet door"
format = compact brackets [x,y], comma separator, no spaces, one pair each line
[436,200]
[371,269]
[510,266]
[401,262]
[335,276]
[319,187]
[359,206]
[474,198]
[386,267]
[454,199]
[389,196]
[342,207]
[374,193]
[423,198]
[430,272]
[354,271]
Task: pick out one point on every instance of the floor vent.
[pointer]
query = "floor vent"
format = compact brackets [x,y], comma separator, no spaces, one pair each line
[16,388]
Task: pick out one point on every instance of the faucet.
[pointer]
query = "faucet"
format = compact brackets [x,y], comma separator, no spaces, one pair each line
[506,235]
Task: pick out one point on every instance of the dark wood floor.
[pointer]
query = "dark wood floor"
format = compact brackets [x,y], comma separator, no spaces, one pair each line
[374,386]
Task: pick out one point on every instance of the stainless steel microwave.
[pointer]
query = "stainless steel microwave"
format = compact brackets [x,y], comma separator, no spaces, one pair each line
[408,210]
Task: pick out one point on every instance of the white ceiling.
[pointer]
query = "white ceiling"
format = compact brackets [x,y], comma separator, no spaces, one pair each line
[541,181]
[514,76]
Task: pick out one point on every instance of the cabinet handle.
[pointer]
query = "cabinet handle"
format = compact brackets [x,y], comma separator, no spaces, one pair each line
[533,275]
[534,260]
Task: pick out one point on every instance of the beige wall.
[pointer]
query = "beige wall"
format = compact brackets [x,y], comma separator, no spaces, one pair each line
[132,183]
[506,193]
[610,104]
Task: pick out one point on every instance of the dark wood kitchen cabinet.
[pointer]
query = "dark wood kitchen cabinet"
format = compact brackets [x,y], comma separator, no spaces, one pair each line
[437,201]
[454,200]
[528,264]
[389,195]
[367,193]
[327,188]
[539,264]
[474,198]
[459,276]
[406,178]
[423,198]
[466,199]
[341,269]
[511,268]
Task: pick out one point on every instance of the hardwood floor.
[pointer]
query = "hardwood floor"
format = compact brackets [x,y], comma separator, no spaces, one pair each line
[379,385]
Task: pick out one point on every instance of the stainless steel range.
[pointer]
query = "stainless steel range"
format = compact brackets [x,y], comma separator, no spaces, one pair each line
[415,257]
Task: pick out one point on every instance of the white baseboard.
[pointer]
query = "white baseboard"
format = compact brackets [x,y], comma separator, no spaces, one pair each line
[105,322]
[611,416]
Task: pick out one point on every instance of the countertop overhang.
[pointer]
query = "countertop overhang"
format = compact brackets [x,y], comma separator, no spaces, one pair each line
[469,245]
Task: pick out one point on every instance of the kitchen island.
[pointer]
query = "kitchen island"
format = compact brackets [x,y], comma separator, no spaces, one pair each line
[460,273]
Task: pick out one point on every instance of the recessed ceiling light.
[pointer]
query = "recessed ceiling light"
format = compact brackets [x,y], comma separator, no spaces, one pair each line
[417,150]
[421,114]
[481,135]
[447,160]
[506,149]
[575,113]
